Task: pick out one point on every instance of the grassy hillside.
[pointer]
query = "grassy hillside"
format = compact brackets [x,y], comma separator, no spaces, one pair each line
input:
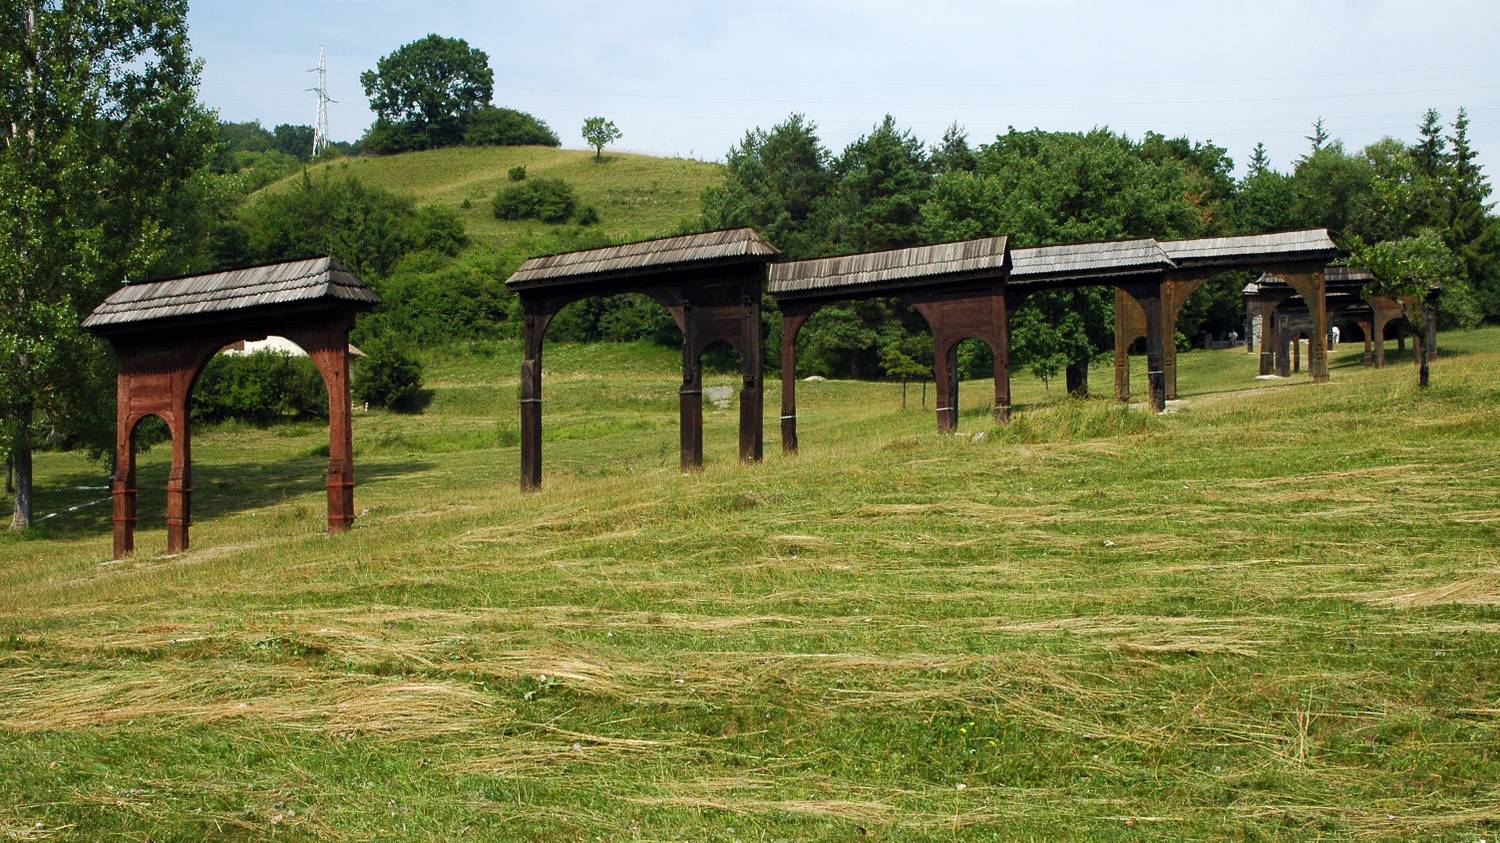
[1275,613]
[637,195]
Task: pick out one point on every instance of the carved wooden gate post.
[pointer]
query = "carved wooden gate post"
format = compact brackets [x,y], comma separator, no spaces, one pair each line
[793,316]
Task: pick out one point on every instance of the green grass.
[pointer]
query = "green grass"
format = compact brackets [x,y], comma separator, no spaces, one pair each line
[1272,614]
[637,196]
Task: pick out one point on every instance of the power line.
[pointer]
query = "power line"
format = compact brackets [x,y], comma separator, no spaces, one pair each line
[1009,84]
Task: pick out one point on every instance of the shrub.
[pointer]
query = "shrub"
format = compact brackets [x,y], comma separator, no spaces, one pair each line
[517,173]
[549,200]
[366,228]
[262,387]
[388,376]
[435,228]
[588,215]
[507,127]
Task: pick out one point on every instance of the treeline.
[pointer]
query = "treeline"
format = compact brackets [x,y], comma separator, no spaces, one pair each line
[888,190]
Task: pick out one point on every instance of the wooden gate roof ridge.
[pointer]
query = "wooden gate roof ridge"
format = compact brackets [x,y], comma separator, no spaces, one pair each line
[659,254]
[1310,244]
[935,262]
[1079,260]
[310,283]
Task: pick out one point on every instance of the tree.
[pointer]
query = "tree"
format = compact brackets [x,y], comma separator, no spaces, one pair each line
[1318,138]
[1407,270]
[422,93]
[1058,187]
[879,185]
[100,134]
[776,181]
[1260,160]
[366,229]
[902,359]
[953,152]
[1472,232]
[1428,153]
[295,140]
[599,133]
[491,126]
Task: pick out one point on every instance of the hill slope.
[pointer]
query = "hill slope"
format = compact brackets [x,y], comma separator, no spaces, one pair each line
[637,195]
[1272,614]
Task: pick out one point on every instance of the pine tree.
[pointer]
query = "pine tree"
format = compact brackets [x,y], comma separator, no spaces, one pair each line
[1428,152]
[1472,233]
[1260,160]
[1319,137]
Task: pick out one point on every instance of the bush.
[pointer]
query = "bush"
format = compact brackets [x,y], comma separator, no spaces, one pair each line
[366,228]
[429,300]
[549,200]
[435,228]
[588,215]
[517,173]
[507,127]
[388,376]
[262,387]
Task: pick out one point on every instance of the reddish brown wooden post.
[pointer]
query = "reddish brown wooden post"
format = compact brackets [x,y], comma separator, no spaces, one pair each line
[180,481]
[943,366]
[329,349]
[1151,295]
[690,394]
[752,386]
[999,341]
[1364,327]
[534,328]
[791,325]
[1310,285]
[1268,339]
[122,486]
[1129,325]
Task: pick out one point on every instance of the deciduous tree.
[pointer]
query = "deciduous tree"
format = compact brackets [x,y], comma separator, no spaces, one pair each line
[100,130]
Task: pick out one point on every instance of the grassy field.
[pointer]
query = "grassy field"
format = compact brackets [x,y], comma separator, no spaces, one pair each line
[637,195]
[1274,613]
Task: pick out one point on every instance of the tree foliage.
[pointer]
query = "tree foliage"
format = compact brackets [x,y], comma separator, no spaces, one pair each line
[366,229]
[545,199]
[423,91]
[490,126]
[100,134]
[600,133]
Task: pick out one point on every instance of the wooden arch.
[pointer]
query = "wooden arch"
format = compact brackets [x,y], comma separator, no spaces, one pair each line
[958,288]
[1297,258]
[710,282]
[163,334]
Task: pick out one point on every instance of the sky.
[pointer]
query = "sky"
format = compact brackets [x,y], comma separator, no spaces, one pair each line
[689,79]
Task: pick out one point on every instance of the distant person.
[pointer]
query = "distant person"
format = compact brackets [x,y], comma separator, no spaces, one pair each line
[1234,337]
[1335,333]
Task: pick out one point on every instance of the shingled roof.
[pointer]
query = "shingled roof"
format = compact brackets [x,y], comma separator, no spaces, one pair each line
[961,260]
[1087,260]
[309,281]
[731,245]
[1311,244]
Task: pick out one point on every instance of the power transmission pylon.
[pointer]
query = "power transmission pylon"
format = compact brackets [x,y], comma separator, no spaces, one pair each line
[320,130]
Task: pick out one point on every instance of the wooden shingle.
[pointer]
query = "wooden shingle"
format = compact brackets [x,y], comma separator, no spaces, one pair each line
[310,281]
[732,245]
[986,256]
